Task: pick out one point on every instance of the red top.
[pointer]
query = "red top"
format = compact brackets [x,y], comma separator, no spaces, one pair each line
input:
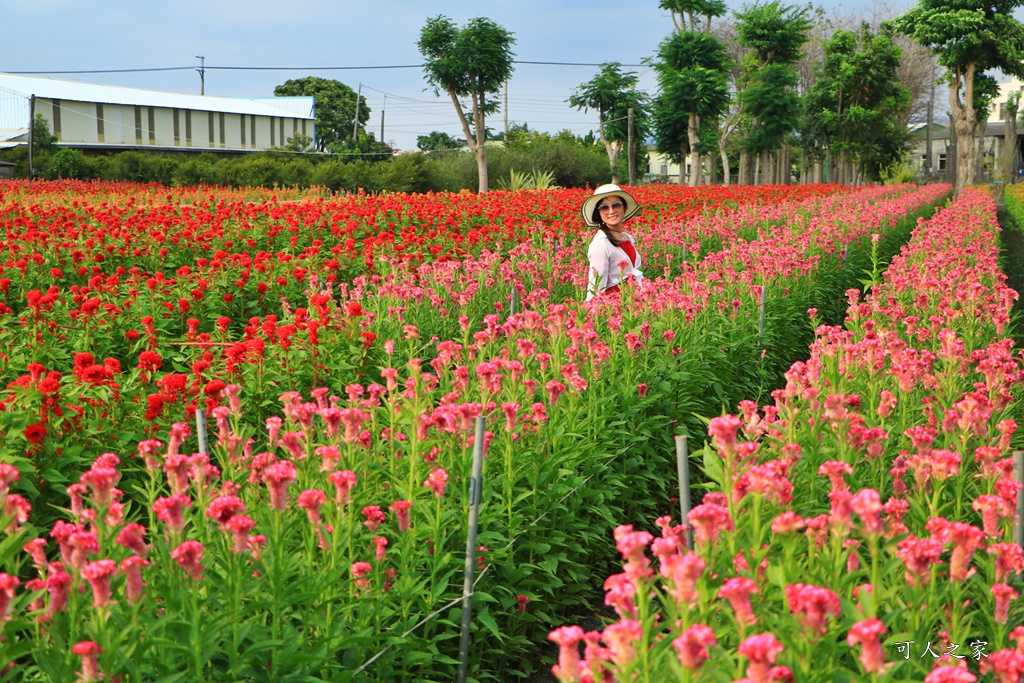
[627,247]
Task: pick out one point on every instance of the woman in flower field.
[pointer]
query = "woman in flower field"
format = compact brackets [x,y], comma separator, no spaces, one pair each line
[612,253]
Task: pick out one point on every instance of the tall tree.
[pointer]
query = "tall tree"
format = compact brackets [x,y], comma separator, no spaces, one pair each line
[858,103]
[612,93]
[473,61]
[693,69]
[334,106]
[969,37]
[775,35]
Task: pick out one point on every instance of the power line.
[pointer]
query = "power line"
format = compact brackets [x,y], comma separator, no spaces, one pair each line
[282,68]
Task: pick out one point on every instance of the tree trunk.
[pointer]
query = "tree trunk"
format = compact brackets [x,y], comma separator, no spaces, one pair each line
[684,155]
[481,167]
[764,167]
[744,172]
[693,129]
[965,122]
[979,152]
[712,178]
[725,162]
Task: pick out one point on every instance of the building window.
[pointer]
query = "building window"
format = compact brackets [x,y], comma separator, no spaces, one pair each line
[664,170]
[942,161]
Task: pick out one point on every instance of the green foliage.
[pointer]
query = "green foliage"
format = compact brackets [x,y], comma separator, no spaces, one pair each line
[71,163]
[692,70]
[776,33]
[612,93]
[897,173]
[335,107]
[436,140]
[42,139]
[299,143]
[857,104]
[474,61]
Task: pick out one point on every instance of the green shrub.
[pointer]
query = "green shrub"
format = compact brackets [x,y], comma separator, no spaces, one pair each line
[72,164]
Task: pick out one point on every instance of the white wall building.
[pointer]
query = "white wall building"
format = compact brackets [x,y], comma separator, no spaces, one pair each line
[83,115]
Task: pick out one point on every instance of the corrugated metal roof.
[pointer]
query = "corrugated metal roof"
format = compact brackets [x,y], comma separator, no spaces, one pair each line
[298,105]
[53,88]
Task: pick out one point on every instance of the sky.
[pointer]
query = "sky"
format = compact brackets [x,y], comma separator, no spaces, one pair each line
[69,35]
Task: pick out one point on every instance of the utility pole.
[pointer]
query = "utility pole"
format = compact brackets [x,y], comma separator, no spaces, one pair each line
[202,74]
[505,108]
[630,149]
[31,134]
[355,123]
[382,119]
[928,132]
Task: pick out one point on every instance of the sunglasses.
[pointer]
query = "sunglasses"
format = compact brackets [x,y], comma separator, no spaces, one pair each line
[613,205]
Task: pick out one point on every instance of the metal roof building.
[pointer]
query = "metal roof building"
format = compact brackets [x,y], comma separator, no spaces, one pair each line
[85,115]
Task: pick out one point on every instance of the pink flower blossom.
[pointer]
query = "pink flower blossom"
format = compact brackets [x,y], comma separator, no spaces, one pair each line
[708,521]
[188,556]
[401,510]
[90,672]
[813,606]
[131,567]
[310,500]
[277,477]
[760,651]
[360,570]
[621,638]
[170,511]
[223,508]
[866,634]
[965,539]
[344,481]
[437,481]
[567,638]
[240,526]
[692,646]
[949,674]
[98,575]
[380,548]
[8,584]
[1003,594]
[737,591]
[374,517]
[1009,559]
[132,536]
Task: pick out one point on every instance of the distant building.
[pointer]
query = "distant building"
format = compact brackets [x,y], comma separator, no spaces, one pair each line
[104,117]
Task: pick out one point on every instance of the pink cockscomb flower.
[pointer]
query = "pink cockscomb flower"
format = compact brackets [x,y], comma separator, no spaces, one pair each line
[1009,559]
[188,556]
[437,481]
[344,481]
[277,477]
[1007,666]
[760,651]
[737,591]
[170,511]
[866,633]
[621,638]
[131,567]
[90,672]
[813,606]
[943,673]
[223,508]
[132,536]
[374,517]
[240,526]
[708,521]
[310,500]
[568,639]
[401,510]
[692,646]
[98,574]
[1003,595]
[360,571]
[965,539]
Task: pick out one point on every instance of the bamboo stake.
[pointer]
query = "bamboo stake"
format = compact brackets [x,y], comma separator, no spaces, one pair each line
[467,584]
[683,466]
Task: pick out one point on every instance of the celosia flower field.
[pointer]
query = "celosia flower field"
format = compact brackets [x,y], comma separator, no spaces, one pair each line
[343,348]
[859,526]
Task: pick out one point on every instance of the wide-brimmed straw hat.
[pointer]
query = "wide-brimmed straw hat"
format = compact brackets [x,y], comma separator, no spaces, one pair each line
[632,208]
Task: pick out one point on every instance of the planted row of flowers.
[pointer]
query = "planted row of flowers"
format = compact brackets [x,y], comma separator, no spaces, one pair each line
[859,527]
[312,539]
